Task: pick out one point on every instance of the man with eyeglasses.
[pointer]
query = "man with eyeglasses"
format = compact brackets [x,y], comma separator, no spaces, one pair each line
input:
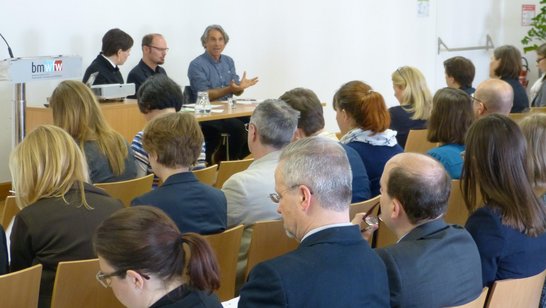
[433,264]
[271,128]
[493,96]
[154,50]
[333,266]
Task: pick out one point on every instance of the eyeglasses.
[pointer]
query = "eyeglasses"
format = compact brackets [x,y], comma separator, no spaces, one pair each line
[105,279]
[475,99]
[276,197]
[540,59]
[160,49]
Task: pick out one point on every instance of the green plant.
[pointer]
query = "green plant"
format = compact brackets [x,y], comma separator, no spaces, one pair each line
[537,33]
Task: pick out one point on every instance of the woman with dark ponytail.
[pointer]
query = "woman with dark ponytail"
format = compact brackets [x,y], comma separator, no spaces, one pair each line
[364,120]
[143,257]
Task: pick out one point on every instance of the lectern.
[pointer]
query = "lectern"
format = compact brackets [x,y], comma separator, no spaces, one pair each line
[22,70]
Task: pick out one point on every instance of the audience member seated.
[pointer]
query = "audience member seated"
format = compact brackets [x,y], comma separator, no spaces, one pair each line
[538,90]
[493,96]
[108,155]
[60,210]
[411,91]
[506,65]
[534,130]
[147,262]
[451,116]
[459,73]
[272,126]
[510,227]
[154,50]
[158,95]
[173,142]
[311,123]
[116,48]
[215,73]
[364,121]
[4,265]
[333,266]
[433,264]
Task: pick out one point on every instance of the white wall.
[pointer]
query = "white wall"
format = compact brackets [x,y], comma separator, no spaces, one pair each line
[287,43]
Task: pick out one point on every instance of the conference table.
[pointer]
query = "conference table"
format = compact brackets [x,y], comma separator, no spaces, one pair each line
[125,117]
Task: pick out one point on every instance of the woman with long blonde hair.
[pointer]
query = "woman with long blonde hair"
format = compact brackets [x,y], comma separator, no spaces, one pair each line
[411,91]
[59,208]
[108,155]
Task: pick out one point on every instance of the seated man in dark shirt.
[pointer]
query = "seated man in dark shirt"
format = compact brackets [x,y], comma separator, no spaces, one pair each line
[116,48]
[154,50]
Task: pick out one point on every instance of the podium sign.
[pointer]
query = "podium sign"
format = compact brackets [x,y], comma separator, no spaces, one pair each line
[20,70]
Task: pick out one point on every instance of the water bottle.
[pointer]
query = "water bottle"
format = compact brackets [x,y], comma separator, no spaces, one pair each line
[202,105]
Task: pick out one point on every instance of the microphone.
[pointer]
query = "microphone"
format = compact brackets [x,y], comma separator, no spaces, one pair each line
[9,48]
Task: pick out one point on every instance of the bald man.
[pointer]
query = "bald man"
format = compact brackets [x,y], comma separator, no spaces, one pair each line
[493,96]
[433,264]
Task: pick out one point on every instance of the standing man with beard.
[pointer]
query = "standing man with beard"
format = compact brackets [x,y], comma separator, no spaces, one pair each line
[154,50]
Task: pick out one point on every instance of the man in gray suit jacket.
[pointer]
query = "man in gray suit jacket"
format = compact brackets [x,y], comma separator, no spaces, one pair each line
[433,264]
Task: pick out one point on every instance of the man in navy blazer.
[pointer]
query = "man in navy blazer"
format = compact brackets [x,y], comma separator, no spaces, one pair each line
[333,266]
[433,264]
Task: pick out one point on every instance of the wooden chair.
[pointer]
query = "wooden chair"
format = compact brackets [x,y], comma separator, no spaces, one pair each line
[523,292]
[516,117]
[21,288]
[363,206]
[126,191]
[456,213]
[339,135]
[76,286]
[417,142]
[478,302]
[229,168]
[384,236]
[10,210]
[226,247]
[207,175]
[269,240]
[538,109]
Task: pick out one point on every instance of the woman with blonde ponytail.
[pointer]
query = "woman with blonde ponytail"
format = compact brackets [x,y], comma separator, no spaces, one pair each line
[364,120]
[147,262]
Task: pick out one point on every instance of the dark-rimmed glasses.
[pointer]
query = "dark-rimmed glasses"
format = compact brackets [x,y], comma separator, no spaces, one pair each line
[105,279]
[539,59]
[160,49]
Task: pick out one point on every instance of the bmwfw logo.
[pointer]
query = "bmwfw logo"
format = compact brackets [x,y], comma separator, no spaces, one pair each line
[47,66]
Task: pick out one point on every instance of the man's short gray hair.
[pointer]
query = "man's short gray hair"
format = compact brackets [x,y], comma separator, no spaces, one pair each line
[275,122]
[321,164]
[205,35]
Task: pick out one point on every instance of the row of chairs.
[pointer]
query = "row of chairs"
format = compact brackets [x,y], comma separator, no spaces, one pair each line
[268,240]
[75,286]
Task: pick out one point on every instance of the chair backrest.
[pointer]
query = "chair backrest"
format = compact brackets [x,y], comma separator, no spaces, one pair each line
[126,191]
[479,302]
[384,236]
[76,286]
[516,117]
[21,288]
[538,109]
[228,168]
[363,206]
[456,213]
[226,247]
[10,210]
[207,175]
[523,292]
[269,240]
[417,142]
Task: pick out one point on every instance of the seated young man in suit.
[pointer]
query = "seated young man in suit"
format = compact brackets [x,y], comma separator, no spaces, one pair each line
[333,266]
[173,143]
[433,264]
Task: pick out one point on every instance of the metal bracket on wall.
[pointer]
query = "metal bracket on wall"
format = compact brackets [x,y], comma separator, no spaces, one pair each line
[488,45]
